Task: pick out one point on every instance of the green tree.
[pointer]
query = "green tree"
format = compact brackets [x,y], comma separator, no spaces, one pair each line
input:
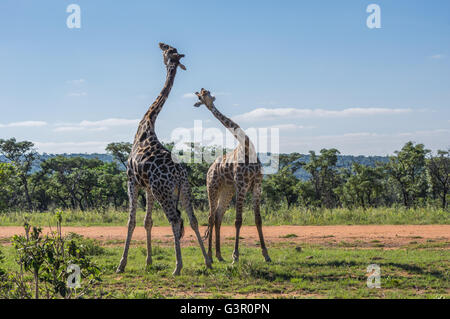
[281,186]
[110,186]
[363,186]
[8,186]
[439,175]
[120,151]
[72,180]
[22,155]
[324,176]
[408,171]
[290,160]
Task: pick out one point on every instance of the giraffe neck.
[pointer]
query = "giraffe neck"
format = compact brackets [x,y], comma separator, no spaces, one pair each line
[235,129]
[147,125]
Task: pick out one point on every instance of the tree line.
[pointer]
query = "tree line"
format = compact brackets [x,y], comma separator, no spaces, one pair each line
[412,177]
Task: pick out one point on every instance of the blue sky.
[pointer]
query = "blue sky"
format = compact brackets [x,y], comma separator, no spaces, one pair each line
[312,68]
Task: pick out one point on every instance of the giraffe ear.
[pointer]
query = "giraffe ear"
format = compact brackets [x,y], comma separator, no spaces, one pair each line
[198,104]
[182,66]
[213,98]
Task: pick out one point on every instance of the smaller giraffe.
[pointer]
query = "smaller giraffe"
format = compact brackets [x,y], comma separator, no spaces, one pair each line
[234,173]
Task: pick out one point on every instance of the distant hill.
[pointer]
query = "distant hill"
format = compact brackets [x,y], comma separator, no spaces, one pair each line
[344,161]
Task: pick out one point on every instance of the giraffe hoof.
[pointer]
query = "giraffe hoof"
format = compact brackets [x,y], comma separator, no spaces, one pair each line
[220,258]
[268,259]
[176,272]
[121,267]
[119,270]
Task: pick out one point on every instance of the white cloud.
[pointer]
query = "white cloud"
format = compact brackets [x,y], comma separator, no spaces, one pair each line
[261,114]
[76,82]
[109,122]
[25,124]
[101,125]
[366,143]
[78,128]
[77,94]
[291,127]
[71,147]
[437,56]
[189,96]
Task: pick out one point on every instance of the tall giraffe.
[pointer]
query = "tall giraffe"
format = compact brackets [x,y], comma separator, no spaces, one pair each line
[150,167]
[234,173]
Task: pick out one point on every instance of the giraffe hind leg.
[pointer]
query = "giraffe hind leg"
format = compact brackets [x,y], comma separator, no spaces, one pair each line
[258,220]
[176,222]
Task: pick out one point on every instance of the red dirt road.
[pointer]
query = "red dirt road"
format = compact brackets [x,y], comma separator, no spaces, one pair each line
[357,235]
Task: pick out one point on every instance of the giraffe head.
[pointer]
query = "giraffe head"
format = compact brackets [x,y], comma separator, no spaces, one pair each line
[171,56]
[205,97]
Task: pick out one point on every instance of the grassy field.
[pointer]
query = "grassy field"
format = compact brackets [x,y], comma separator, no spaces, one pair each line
[309,272]
[293,216]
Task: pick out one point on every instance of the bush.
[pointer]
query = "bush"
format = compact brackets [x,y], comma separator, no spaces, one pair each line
[49,261]
[91,247]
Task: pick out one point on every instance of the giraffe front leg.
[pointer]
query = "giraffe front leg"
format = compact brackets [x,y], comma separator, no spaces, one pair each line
[212,190]
[210,235]
[148,223]
[133,191]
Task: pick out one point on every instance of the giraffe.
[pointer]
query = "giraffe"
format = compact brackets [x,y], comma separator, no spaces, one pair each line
[234,173]
[151,167]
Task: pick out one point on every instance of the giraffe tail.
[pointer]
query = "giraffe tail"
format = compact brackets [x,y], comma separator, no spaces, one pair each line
[207,232]
[182,224]
[182,228]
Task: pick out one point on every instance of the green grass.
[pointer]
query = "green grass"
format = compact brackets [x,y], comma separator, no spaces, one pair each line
[313,272]
[293,216]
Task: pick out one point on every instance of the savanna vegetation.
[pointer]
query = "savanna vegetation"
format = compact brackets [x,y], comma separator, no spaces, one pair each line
[411,186]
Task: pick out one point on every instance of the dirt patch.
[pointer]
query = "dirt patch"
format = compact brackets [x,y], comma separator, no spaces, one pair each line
[388,236]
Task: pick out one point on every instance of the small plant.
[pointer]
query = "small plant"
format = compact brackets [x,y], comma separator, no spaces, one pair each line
[47,259]
[91,246]
[4,287]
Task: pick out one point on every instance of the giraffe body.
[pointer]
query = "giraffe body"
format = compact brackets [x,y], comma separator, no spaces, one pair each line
[235,173]
[151,167]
